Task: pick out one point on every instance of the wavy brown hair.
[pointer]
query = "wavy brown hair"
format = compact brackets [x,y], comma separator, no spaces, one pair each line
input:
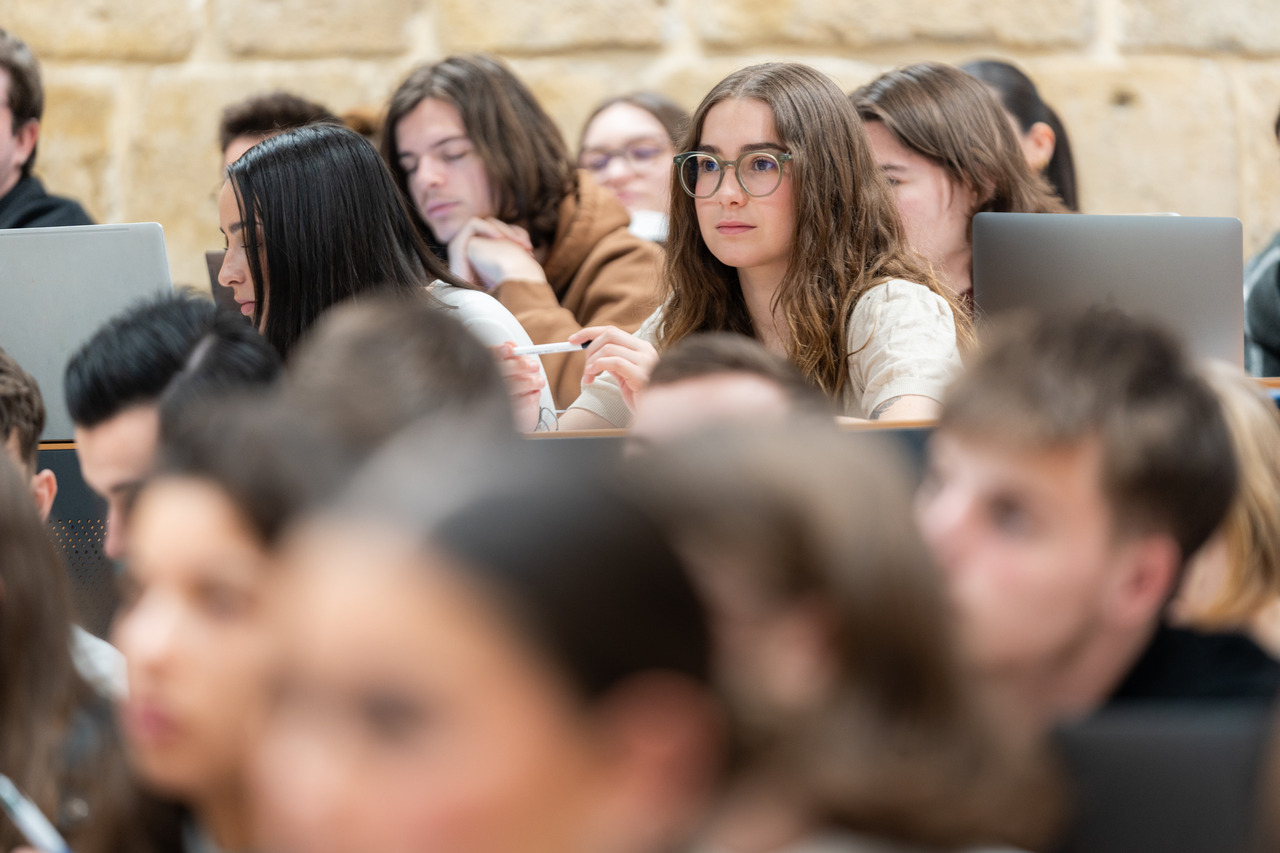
[848,235]
[525,156]
[951,117]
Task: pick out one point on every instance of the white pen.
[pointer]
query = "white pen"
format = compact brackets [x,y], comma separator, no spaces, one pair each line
[548,349]
[28,818]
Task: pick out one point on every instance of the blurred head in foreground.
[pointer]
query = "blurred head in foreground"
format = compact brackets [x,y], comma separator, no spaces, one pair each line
[194,622]
[1076,466]
[718,378]
[834,645]
[371,369]
[526,672]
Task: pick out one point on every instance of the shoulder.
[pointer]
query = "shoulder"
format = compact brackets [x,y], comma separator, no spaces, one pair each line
[894,303]
[901,294]
[1183,664]
[28,206]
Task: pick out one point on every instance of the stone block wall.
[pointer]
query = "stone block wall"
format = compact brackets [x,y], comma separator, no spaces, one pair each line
[1170,103]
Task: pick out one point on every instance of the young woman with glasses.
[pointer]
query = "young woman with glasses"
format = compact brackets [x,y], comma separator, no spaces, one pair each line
[800,247]
[627,145]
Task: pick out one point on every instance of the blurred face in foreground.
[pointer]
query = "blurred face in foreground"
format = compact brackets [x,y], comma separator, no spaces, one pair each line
[1037,573]
[414,717]
[195,632]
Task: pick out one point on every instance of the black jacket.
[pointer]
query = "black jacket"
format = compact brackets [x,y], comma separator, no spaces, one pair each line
[27,205]
[1180,665]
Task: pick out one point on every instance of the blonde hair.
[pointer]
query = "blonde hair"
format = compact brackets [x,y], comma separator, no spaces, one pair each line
[1252,525]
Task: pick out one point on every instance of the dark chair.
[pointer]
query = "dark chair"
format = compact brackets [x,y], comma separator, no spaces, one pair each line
[78,524]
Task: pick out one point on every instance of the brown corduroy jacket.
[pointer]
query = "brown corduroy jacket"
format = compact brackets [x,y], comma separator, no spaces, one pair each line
[598,273]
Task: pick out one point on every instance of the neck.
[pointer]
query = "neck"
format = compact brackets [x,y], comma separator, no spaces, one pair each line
[1073,687]
[224,816]
[957,271]
[9,182]
[758,289]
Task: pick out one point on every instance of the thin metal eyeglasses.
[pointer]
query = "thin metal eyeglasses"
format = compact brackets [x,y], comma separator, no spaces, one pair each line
[639,154]
[759,173]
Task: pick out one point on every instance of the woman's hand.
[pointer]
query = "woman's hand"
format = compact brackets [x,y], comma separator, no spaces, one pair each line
[488,252]
[524,383]
[629,359]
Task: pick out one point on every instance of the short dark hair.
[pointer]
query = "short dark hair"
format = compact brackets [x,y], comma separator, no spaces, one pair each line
[525,156]
[334,227]
[168,348]
[1052,381]
[369,370]
[26,93]
[272,113]
[717,353]
[21,409]
[673,117]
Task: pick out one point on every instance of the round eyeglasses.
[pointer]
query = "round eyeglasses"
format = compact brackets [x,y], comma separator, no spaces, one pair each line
[759,173]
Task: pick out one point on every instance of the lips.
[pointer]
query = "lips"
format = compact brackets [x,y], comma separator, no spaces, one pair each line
[147,723]
[246,308]
[731,228]
[439,208]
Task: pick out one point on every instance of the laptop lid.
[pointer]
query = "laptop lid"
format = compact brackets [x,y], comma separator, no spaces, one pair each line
[1180,271]
[58,285]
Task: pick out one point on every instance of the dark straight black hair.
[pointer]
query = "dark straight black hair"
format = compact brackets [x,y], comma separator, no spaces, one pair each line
[333,227]
[1021,99]
[171,350]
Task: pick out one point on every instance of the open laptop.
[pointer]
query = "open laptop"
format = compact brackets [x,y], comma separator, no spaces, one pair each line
[1181,272]
[58,285]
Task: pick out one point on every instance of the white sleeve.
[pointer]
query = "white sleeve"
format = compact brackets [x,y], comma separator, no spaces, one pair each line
[603,396]
[902,341]
[493,325]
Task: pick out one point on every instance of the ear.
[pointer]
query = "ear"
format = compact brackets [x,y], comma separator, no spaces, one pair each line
[662,737]
[1038,145]
[44,488]
[26,141]
[1146,578]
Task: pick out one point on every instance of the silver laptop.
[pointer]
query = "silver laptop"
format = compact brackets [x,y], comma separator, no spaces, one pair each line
[1180,271]
[58,285]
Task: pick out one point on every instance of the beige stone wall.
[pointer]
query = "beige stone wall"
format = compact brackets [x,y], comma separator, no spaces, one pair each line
[1169,102]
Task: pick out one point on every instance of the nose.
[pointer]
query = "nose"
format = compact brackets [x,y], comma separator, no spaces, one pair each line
[616,170]
[730,190]
[945,519]
[232,271]
[428,175]
[147,632]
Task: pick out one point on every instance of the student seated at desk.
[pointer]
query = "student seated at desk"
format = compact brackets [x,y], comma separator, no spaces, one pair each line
[139,369]
[528,672]
[1077,466]
[329,226]
[947,148]
[496,190]
[784,230]
[858,728]
[195,620]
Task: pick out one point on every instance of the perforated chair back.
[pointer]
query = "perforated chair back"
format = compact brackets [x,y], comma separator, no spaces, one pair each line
[78,525]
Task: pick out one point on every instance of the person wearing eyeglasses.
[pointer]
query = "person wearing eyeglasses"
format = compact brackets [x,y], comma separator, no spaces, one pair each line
[627,144]
[783,229]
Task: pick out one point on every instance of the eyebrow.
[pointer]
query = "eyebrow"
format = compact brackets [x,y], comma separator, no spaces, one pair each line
[449,139]
[753,146]
[893,167]
[235,227]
